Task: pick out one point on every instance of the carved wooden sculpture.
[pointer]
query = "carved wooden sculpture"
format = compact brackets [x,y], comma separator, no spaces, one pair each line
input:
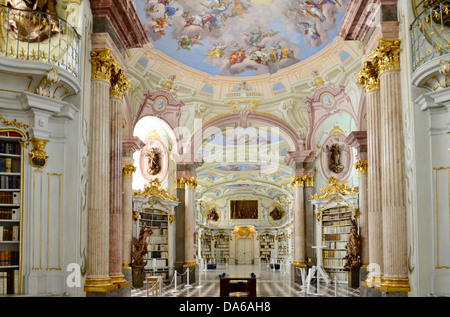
[353,248]
[140,249]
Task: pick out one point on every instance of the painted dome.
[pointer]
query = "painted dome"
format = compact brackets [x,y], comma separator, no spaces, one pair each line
[240,37]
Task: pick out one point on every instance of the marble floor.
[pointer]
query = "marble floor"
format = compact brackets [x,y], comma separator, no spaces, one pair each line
[270,283]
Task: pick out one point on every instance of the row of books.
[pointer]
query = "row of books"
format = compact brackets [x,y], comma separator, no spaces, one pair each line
[10,147]
[334,262]
[160,231]
[11,134]
[5,164]
[334,253]
[336,237]
[8,258]
[9,182]
[10,213]
[9,233]
[9,198]
[9,282]
[156,239]
[337,229]
[335,245]
[157,247]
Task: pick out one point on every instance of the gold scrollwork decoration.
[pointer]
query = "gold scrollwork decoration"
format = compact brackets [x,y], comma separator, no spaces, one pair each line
[335,186]
[303,181]
[13,123]
[368,76]
[187,182]
[38,158]
[119,83]
[154,189]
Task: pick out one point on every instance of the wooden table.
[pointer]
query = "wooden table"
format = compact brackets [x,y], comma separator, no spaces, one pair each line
[156,283]
[237,287]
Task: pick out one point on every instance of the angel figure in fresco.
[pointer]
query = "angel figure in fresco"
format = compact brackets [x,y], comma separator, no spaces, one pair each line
[236,57]
[185,42]
[239,8]
[309,8]
[162,23]
[31,27]
[215,5]
[198,19]
[309,29]
[217,51]
[153,162]
[335,158]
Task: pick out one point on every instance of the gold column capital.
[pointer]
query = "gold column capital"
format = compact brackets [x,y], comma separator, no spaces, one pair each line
[119,83]
[128,170]
[368,76]
[102,64]
[361,166]
[186,182]
[302,181]
[388,54]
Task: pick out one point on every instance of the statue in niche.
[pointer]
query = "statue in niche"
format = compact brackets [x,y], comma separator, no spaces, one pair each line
[353,249]
[212,215]
[153,164]
[32,27]
[276,214]
[335,158]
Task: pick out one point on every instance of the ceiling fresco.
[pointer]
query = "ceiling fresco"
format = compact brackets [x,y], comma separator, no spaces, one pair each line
[240,37]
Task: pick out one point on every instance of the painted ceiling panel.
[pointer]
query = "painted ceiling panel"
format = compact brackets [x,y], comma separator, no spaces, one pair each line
[240,37]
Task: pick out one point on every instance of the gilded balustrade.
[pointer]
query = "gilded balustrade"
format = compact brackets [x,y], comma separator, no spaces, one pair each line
[37,36]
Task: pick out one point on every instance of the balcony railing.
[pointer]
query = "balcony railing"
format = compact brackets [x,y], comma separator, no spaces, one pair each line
[430,33]
[40,37]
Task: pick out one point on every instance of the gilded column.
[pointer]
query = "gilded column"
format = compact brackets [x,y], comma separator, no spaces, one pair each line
[369,78]
[189,220]
[97,264]
[119,85]
[395,277]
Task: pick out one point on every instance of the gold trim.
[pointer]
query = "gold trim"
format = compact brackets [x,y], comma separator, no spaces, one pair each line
[252,104]
[387,55]
[391,284]
[299,263]
[190,264]
[99,285]
[361,166]
[369,76]
[334,187]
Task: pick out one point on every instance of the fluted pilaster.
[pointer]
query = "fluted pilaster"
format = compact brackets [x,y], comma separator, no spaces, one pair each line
[189,251]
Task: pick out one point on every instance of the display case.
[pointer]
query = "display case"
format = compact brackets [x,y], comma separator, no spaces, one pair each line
[222,247]
[266,246]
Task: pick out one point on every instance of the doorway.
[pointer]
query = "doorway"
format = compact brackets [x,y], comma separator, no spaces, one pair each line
[244,251]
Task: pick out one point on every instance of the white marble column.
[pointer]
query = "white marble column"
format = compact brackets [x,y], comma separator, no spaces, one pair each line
[395,270]
[369,78]
[189,219]
[127,211]
[97,265]
[299,260]
[119,84]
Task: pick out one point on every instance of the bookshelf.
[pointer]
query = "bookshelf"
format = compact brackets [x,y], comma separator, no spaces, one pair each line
[206,250]
[222,243]
[266,245]
[282,246]
[11,166]
[336,226]
[157,243]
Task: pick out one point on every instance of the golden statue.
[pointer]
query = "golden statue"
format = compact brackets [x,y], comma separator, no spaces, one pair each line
[353,249]
[32,26]
[153,165]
